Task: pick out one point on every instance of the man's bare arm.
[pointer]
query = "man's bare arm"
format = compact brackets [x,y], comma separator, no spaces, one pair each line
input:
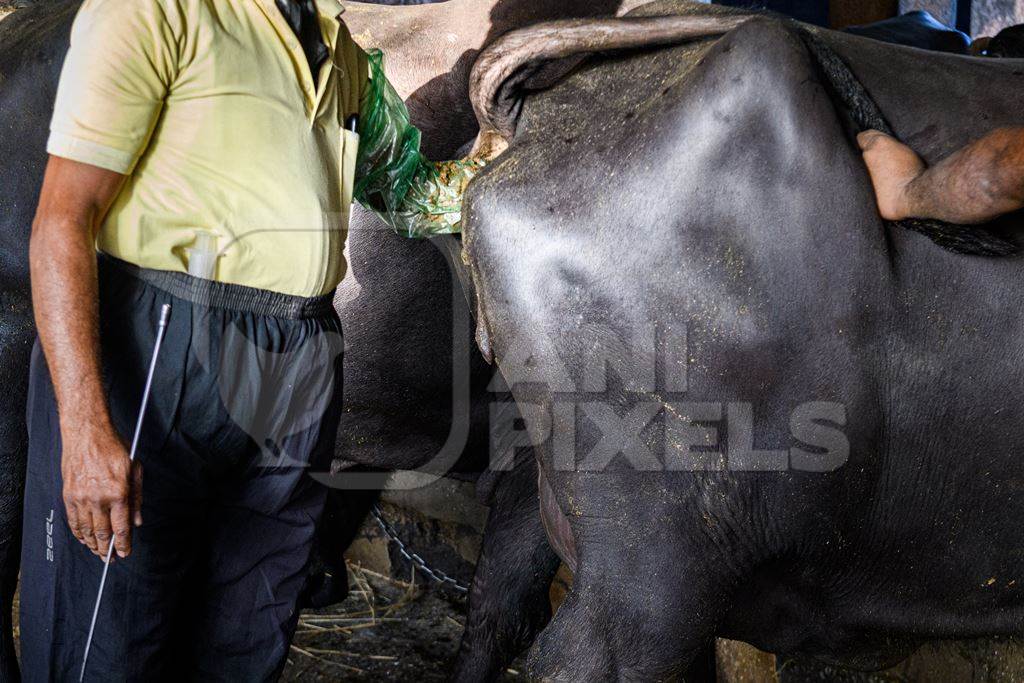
[98,492]
[980,182]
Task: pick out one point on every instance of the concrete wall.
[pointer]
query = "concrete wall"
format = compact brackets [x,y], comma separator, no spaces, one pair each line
[988,17]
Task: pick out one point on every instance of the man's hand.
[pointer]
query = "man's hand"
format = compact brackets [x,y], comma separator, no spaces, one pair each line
[102,489]
[893,167]
[979,183]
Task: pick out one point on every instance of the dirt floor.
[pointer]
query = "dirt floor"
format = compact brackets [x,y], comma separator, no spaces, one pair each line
[388,630]
[385,630]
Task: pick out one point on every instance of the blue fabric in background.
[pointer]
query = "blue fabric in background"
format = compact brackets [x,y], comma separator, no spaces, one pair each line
[916,29]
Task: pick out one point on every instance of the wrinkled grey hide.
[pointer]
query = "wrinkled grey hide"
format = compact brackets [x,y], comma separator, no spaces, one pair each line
[838,470]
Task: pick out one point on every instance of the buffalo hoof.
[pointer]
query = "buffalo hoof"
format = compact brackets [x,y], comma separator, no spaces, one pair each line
[325,587]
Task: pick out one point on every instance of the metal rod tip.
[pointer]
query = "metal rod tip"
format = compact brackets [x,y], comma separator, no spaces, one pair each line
[165,315]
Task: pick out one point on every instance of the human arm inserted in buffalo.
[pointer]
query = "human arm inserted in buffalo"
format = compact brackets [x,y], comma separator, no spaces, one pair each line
[414,196]
[976,184]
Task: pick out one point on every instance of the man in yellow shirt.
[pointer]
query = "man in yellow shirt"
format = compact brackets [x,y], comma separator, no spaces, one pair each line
[209,150]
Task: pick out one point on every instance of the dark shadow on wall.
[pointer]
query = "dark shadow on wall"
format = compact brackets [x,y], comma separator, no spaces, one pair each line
[810,11]
[508,14]
[441,106]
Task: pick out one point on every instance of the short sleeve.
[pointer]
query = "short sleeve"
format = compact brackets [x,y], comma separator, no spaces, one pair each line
[116,75]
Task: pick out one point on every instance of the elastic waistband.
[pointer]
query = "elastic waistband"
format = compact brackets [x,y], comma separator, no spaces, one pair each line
[226,296]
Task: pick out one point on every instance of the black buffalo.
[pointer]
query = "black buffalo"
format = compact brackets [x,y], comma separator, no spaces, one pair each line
[763,413]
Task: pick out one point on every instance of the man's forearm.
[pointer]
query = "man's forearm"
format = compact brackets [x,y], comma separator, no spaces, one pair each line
[98,494]
[980,182]
[64,296]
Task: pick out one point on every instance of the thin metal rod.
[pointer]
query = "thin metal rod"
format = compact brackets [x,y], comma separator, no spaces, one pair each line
[165,316]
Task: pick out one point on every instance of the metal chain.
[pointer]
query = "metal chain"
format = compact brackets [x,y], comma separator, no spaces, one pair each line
[417,561]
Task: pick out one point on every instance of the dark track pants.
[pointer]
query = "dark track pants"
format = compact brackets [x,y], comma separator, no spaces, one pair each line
[246,398]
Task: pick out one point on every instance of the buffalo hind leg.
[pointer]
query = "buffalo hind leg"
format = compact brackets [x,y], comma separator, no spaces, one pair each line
[647,612]
[508,603]
[343,517]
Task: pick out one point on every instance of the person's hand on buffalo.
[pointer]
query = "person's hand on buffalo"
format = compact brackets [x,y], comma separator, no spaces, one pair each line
[980,182]
[893,167]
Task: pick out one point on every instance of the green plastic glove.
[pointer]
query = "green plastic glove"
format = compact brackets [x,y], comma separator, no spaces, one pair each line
[416,197]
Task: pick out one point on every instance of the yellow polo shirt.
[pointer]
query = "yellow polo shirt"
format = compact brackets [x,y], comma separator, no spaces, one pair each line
[210,108]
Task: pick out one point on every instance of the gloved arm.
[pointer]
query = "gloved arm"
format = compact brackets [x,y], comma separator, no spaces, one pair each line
[393,179]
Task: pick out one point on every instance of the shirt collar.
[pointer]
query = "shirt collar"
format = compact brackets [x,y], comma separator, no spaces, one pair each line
[330,12]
